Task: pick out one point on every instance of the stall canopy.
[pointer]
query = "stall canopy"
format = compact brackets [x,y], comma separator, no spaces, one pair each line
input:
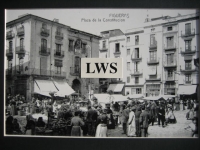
[115,87]
[63,88]
[106,98]
[44,87]
[187,89]
[135,96]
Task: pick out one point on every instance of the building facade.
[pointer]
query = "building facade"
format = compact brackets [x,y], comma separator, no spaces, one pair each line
[161,57]
[45,50]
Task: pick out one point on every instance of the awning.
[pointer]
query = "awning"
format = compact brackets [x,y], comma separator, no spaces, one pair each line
[119,98]
[152,70]
[63,88]
[44,87]
[102,98]
[135,96]
[187,89]
[115,87]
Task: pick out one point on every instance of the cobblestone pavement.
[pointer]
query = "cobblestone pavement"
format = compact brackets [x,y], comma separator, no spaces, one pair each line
[170,131]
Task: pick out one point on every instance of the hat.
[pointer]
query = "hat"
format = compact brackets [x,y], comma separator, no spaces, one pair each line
[133,108]
[107,104]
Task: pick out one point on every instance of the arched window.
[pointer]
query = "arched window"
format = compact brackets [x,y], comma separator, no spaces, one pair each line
[43,45]
[10,45]
[21,43]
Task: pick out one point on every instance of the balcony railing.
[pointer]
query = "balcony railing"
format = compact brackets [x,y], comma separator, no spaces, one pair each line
[170,86]
[117,52]
[10,35]
[9,54]
[187,82]
[188,51]
[169,64]
[170,78]
[188,34]
[20,31]
[59,35]
[59,53]
[154,78]
[136,72]
[153,46]
[188,70]
[152,61]
[20,50]
[103,49]
[44,51]
[39,72]
[134,58]
[75,71]
[170,47]
[44,32]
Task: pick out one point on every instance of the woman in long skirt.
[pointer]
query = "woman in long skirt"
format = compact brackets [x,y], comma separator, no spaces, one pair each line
[102,125]
[76,124]
[131,123]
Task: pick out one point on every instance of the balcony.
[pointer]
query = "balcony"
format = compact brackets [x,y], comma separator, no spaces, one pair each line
[20,31]
[169,64]
[188,81]
[188,70]
[103,49]
[10,35]
[75,71]
[117,52]
[153,61]
[59,54]
[170,47]
[9,54]
[59,35]
[153,46]
[189,34]
[170,78]
[153,78]
[44,51]
[44,32]
[170,91]
[135,59]
[188,51]
[59,74]
[136,72]
[170,86]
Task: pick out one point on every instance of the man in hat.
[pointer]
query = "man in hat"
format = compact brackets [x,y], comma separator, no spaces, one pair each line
[111,122]
[161,115]
[125,117]
[144,122]
[137,122]
[91,120]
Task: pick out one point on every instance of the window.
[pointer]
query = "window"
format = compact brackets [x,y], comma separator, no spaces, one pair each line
[152,40]
[58,47]
[170,73]
[44,45]
[136,80]
[104,44]
[136,39]
[133,91]
[117,47]
[58,66]
[10,45]
[188,65]
[137,55]
[57,70]
[128,79]
[77,63]
[128,51]
[170,59]
[138,91]
[10,66]
[169,28]
[188,45]
[21,61]
[44,26]
[136,66]
[71,45]
[128,65]
[188,28]
[170,42]
[188,78]
[84,48]
[128,39]
[153,56]
[58,31]
[21,43]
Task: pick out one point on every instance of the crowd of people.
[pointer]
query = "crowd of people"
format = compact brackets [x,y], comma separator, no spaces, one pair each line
[65,117]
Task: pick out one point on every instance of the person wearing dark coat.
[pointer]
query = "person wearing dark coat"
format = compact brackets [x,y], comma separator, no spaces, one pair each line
[144,122]
[91,119]
[124,119]
[111,121]
[137,121]
[153,112]
[9,125]
[161,115]
[76,124]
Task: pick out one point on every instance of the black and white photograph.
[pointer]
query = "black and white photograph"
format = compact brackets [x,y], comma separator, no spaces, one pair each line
[101,73]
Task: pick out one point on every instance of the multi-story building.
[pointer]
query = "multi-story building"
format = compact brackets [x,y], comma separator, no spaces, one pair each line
[161,56]
[113,45]
[42,52]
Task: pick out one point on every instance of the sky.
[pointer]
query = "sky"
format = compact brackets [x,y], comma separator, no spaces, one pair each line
[92,20]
